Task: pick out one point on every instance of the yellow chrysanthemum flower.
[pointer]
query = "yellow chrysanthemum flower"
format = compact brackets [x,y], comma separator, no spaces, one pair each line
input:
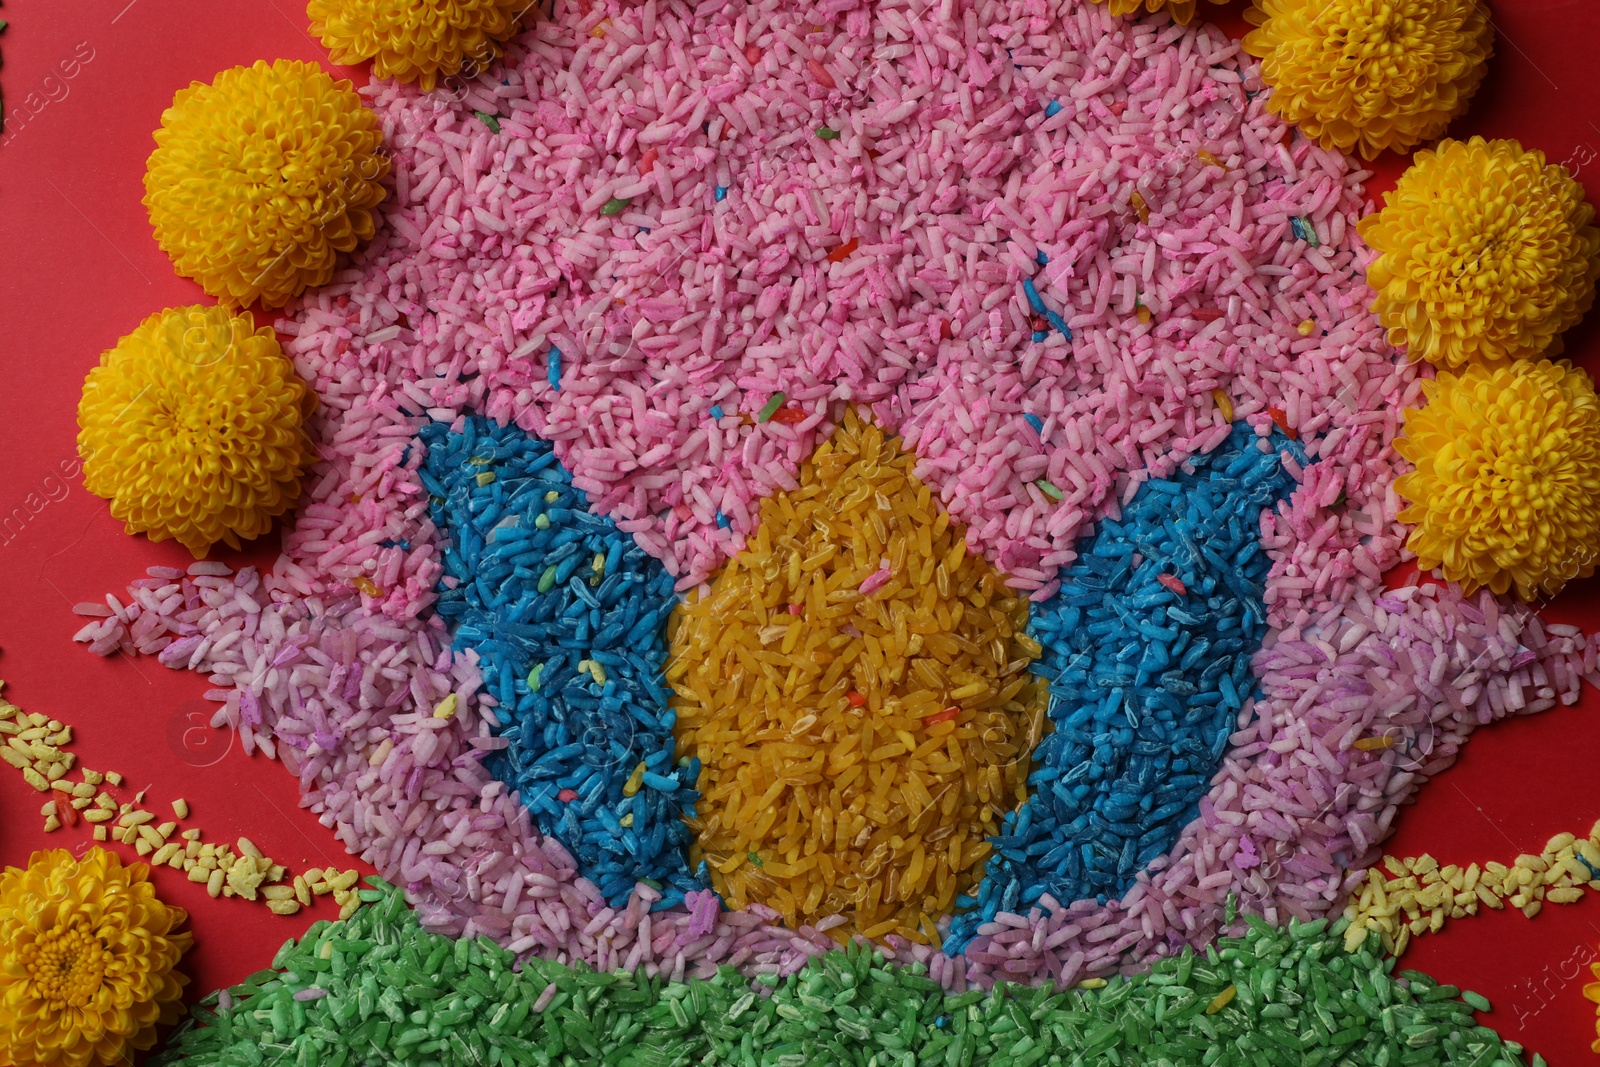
[88,958]
[260,179]
[1180,10]
[417,42]
[1365,75]
[193,428]
[1592,992]
[1506,490]
[1485,253]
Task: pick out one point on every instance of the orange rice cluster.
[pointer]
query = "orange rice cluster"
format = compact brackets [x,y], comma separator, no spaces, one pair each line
[855,685]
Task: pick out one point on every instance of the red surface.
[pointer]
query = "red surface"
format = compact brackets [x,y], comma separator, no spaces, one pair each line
[80,270]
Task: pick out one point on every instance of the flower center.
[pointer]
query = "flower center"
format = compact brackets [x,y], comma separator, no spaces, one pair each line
[1377,49]
[1367,37]
[66,965]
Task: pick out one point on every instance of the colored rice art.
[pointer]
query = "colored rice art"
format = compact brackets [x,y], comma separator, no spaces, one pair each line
[855,688]
[794,308]
[381,988]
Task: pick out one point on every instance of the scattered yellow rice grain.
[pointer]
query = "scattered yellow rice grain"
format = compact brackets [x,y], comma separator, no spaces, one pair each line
[1137,202]
[802,680]
[180,808]
[1421,894]
[99,833]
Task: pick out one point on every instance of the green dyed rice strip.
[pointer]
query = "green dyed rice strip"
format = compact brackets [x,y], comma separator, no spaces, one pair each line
[399,995]
[771,407]
[1049,489]
[615,205]
[491,121]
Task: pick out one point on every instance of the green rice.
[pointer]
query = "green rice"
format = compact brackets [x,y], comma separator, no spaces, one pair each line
[388,992]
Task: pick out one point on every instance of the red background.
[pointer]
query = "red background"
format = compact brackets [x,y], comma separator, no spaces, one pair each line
[79,269]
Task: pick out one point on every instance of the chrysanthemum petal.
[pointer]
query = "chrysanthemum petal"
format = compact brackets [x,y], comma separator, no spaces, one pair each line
[1366,75]
[260,179]
[87,960]
[1506,491]
[418,42]
[1182,11]
[193,428]
[1485,253]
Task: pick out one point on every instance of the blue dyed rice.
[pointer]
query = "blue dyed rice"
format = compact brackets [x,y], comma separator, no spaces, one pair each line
[1146,685]
[567,731]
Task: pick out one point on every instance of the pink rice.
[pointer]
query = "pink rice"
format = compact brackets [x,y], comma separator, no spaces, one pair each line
[951,178]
